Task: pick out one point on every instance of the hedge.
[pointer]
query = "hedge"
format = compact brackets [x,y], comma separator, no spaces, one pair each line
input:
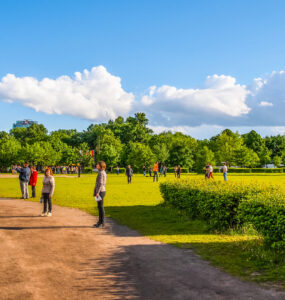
[256,170]
[183,170]
[266,211]
[228,205]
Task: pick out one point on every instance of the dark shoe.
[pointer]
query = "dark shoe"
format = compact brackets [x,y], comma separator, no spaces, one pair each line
[99,225]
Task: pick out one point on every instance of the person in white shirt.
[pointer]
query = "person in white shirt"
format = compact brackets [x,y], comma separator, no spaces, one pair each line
[211,170]
[225,171]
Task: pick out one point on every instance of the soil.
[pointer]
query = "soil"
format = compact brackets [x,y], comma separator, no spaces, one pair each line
[64,257]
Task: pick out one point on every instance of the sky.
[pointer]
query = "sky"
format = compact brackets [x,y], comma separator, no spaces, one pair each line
[192,66]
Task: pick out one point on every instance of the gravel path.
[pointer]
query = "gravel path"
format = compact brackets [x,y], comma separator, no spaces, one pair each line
[63,257]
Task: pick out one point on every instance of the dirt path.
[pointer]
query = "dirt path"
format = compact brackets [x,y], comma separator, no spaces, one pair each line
[63,257]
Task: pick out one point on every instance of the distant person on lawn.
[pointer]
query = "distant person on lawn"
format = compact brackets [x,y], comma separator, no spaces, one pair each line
[24,178]
[118,170]
[149,171]
[100,192]
[129,173]
[33,180]
[211,170]
[155,171]
[225,171]
[175,171]
[178,171]
[144,171]
[47,192]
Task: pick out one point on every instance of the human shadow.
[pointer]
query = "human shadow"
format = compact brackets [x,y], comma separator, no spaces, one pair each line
[13,217]
[42,227]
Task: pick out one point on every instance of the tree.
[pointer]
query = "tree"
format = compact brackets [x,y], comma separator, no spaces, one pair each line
[246,157]
[225,145]
[277,160]
[276,144]
[254,141]
[9,151]
[265,156]
[31,134]
[204,156]
[161,152]
[139,155]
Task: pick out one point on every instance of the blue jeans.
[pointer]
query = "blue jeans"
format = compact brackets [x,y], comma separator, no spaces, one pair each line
[144,173]
[155,175]
[225,176]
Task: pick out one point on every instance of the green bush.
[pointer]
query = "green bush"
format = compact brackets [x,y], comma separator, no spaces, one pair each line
[215,202]
[267,170]
[266,211]
[87,170]
[240,170]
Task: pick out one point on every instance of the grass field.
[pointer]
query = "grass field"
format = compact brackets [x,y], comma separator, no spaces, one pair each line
[140,206]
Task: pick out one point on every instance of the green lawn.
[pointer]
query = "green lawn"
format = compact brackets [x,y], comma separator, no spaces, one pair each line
[140,206]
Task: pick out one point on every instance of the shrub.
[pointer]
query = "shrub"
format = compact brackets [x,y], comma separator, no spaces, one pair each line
[240,170]
[266,211]
[267,170]
[215,202]
[87,170]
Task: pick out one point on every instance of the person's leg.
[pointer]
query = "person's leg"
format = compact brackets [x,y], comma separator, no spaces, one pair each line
[49,205]
[22,188]
[26,190]
[102,211]
[33,191]
[157,176]
[225,176]
[46,196]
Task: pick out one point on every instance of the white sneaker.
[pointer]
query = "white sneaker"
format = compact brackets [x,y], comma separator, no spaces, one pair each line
[49,214]
[44,214]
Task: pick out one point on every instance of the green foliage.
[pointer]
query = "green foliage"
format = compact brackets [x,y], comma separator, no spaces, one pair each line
[215,202]
[266,211]
[9,151]
[230,205]
[203,157]
[183,170]
[121,170]
[277,160]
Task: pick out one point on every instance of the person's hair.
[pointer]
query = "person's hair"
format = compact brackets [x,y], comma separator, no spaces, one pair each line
[50,170]
[102,165]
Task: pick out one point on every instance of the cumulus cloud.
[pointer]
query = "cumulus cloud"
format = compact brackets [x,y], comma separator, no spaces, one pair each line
[94,95]
[221,99]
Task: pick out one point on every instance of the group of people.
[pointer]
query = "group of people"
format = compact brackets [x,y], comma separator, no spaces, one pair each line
[209,170]
[73,169]
[28,175]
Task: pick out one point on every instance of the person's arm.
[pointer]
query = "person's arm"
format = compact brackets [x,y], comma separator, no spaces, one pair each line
[52,183]
[101,183]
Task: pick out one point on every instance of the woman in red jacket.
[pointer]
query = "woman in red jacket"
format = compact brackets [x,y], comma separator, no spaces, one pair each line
[33,180]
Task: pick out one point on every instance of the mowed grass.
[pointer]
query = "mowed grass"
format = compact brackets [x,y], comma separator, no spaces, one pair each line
[140,206]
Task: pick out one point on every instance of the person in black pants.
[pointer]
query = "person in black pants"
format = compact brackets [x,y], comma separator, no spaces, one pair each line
[100,192]
[129,173]
[178,171]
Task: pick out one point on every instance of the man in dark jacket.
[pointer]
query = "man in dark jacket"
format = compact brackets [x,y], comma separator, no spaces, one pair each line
[129,173]
[24,180]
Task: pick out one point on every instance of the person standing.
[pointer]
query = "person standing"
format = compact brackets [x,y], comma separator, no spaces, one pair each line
[24,178]
[33,180]
[79,170]
[149,171]
[225,171]
[155,171]
[100,192]
[164,170]
[118,170]
[211,170]
[47,192]
[175,171]
[144,171]
[129,173]
[178,171]
[207,171]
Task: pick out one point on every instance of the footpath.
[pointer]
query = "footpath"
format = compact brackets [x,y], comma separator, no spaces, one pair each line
[64,257]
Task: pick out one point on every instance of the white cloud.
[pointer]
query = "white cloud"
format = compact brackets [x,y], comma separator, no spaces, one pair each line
[222,98]
[265,103]
[94,95]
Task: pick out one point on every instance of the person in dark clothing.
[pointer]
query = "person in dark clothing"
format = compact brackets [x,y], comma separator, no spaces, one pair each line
[79,170]
[178,171]
[100,191]
[24,178]
[33,180]
[117,170]
[129,173]
[149,171]
[144,171]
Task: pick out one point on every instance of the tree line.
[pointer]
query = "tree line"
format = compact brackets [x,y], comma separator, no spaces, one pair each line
[131,141]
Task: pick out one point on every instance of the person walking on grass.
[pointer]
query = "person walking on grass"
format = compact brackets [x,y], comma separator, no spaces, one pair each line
[33,180]
[164,170]
[225,171]
[207,171]
[24,178]
[117,170]
[155,171]
[129,173]
[211,170]
[100,192]
[175,171]
[149,171]
[178,171]
[47,192]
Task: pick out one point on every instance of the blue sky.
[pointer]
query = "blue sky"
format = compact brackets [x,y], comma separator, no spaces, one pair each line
[172,45]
